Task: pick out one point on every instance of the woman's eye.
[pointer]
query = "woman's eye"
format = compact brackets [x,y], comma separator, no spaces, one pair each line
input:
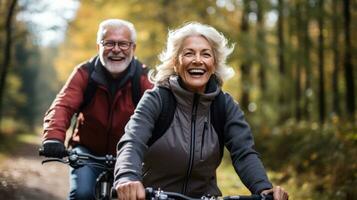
[207,55]
[188,54]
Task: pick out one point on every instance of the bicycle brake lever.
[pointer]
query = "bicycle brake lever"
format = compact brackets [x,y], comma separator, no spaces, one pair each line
[54,159]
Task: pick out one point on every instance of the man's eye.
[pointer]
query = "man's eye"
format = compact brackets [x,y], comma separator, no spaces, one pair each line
[123,44]
[109,43]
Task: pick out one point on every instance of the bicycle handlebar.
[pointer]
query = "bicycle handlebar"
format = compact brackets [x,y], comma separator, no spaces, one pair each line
[76,159]
[151,194]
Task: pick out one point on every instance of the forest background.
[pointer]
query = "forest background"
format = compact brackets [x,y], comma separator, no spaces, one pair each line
[295,76]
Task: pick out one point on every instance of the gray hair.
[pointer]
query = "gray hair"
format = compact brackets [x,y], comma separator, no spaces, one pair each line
[175,38]
[115,23]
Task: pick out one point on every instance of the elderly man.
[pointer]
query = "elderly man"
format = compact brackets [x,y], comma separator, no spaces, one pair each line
[103,92]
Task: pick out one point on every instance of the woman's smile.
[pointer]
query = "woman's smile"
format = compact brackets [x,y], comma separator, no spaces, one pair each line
[196,63]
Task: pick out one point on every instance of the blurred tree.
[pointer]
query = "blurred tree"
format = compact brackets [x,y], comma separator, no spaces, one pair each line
[307,60]
[7,49]
[281,62]
[26,65]
[348,66]
[298,59]
[336,60]
[263,60]
[246,64]
[322,111]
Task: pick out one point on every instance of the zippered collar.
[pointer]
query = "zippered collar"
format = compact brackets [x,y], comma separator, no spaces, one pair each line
[100,77]
[185,97]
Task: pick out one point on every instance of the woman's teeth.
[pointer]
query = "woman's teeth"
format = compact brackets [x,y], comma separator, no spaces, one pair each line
[196,71]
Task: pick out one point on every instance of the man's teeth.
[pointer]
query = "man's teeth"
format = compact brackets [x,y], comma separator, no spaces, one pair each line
[116,58]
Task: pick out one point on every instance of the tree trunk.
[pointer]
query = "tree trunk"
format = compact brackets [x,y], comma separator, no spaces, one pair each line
[246,65]
[335,74]
[298,63]
[6,52]
[321,63]
[307,63]
[261,46]
[350,95]
[281,62]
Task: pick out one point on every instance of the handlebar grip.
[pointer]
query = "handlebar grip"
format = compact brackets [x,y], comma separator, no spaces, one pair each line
[41,152]
[113,193]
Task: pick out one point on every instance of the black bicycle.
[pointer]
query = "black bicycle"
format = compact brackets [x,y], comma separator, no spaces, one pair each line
[104,182]
[152,194]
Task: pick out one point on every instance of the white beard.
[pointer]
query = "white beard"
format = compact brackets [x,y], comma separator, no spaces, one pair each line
[116,68]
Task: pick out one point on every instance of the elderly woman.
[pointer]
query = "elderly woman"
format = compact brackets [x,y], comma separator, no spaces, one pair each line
[185,157]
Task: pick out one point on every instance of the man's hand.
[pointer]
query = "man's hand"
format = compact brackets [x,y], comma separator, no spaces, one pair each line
[278,193]
[54,149]
[132,190]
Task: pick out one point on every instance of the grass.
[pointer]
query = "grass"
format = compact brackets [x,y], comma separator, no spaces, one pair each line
[228,180]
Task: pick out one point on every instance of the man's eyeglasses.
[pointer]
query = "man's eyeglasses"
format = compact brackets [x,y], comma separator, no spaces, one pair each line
[110,44]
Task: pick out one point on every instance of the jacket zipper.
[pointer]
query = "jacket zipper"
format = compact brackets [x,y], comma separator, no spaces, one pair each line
[192,145]
[203,138]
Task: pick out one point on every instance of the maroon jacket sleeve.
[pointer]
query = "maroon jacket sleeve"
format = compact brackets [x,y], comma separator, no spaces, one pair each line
[58,117]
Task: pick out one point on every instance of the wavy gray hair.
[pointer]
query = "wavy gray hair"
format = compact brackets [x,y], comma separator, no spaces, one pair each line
[115,23]
[169,56]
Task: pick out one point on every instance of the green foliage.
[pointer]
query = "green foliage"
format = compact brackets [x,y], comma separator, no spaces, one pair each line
[323,157]
[228,180]
[312,161]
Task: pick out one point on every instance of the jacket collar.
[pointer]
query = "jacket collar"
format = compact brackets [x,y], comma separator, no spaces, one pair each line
[102,76]
[186,97]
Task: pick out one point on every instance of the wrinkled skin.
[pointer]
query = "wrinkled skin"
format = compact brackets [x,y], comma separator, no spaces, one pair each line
[196,63]
[116,60]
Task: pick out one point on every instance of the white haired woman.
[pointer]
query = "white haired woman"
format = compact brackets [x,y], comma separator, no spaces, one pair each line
[185,157]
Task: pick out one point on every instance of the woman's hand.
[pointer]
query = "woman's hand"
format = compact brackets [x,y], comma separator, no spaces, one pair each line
[132,190]
[278,193]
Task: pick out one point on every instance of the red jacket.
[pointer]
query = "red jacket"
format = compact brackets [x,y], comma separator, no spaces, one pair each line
[105,116]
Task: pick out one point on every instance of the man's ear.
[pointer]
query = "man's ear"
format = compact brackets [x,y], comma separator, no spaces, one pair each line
[97,47]
[134,47]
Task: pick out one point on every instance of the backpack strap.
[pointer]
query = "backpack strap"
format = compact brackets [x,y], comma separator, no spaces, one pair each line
[88,94]
[168,107]
[91,88]
[218,118]
[135,82]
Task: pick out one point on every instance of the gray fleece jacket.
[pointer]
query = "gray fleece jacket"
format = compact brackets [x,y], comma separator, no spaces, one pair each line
[186,157]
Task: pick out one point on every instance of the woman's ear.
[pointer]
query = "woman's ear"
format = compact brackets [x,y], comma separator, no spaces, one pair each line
[175,64]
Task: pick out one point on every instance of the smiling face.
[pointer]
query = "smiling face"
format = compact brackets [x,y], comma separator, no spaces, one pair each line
[114,58]
[196,63]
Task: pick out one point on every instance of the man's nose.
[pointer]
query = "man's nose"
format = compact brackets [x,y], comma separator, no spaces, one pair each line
[116,47]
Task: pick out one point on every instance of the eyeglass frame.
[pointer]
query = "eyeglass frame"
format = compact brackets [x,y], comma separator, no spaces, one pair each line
[103,43]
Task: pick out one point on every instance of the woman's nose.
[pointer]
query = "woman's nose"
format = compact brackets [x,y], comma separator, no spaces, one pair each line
[197,59]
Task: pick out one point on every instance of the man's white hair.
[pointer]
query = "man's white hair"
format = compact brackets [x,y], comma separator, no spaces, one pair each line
[115,23]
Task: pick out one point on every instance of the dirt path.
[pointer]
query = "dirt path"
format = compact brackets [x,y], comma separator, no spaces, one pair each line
[24,177]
